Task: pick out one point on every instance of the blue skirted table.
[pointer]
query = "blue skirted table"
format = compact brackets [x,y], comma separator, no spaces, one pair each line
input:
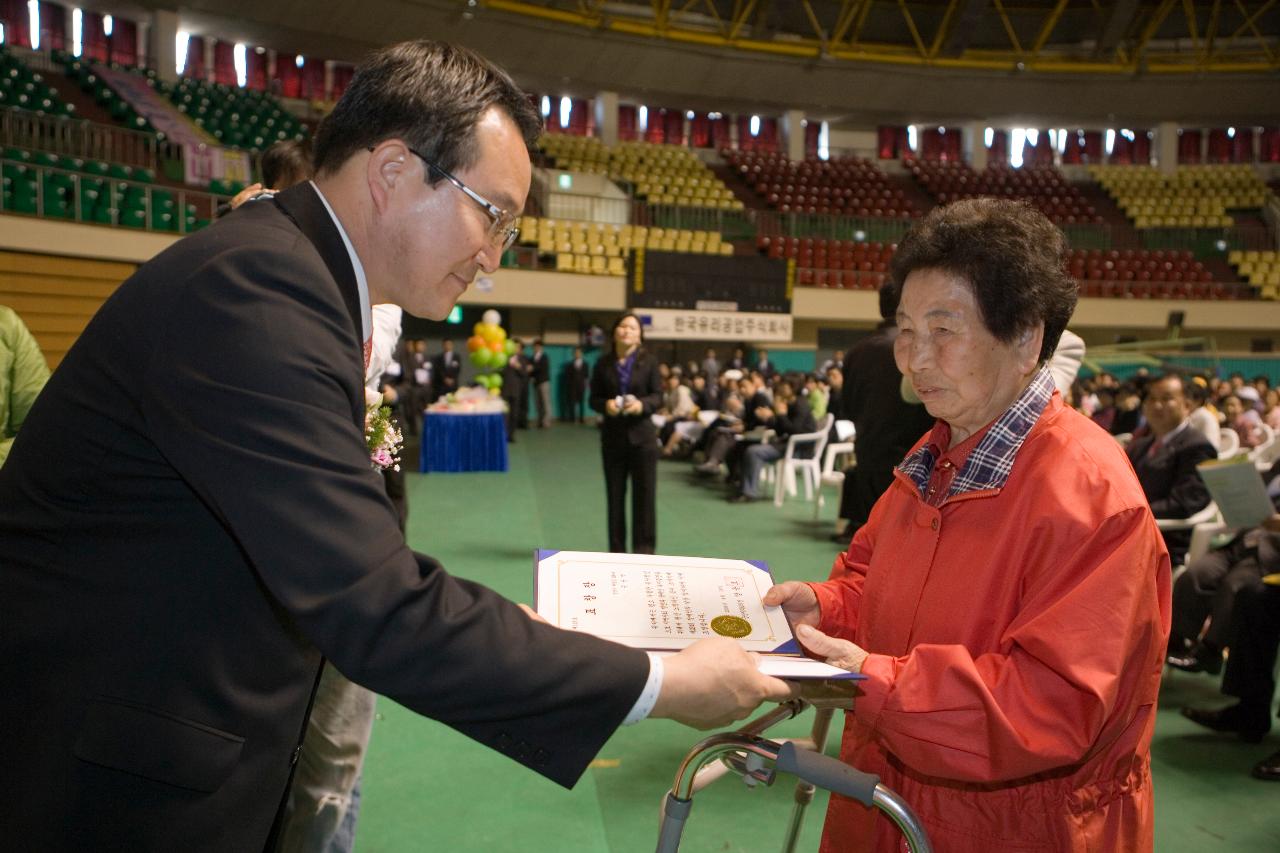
[462,442]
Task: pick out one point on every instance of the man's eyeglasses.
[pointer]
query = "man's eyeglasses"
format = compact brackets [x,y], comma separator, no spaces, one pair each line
[503,229]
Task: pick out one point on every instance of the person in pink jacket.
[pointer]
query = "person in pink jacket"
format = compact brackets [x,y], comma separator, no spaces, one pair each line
[1008,598]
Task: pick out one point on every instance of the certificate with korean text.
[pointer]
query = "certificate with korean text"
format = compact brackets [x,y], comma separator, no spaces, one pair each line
[662,604]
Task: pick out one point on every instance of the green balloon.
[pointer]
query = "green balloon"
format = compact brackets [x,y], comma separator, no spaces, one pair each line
[480,358]
[495,381]
[510,347]
[497,359]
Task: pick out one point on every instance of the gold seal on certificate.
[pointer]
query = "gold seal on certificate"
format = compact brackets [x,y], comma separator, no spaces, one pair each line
[731,626]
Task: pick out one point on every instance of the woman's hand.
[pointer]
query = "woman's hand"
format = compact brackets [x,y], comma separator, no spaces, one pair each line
[797,600]
[611,407]
[841,653]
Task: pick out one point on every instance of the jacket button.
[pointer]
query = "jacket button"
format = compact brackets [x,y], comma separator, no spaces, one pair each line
[934,524]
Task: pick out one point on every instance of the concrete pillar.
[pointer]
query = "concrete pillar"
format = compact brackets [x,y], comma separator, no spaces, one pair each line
[606,110]
[162,44]
[974,144]
[1166,147]
[793,134]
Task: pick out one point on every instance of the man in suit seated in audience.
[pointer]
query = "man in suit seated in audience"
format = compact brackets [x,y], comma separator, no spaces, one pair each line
[724,445]
[790,416]
[1250,675]
[1208,589]
[1166,459]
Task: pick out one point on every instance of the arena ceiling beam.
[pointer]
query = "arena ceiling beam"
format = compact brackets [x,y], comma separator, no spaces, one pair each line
[1133,39]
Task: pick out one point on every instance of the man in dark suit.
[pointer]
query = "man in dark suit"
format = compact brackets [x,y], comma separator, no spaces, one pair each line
[1166,458]
[190,524]
[1250,675]
[885,425]
[418,385]
[445,370]
[540,379]
[574,378]
[763,366]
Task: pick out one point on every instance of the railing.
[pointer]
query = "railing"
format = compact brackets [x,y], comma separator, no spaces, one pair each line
[85,139]
[205,204]
[1209,242]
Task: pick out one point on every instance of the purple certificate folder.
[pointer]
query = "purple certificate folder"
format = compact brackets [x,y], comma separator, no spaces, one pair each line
[663,604]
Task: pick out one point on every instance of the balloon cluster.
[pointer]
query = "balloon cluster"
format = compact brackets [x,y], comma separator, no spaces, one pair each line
[490,348]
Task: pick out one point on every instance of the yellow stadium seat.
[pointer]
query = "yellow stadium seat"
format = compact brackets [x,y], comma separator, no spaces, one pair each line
[564,263]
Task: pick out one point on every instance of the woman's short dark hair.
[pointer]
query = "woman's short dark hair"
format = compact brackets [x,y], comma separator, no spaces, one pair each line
[286,163]
[1012,256]
[429,94]
[613,330]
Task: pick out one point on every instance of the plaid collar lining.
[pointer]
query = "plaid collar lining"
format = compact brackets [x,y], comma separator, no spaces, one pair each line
[989,464]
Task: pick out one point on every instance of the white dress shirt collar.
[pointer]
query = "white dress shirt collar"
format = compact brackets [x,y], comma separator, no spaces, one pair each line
[362,283]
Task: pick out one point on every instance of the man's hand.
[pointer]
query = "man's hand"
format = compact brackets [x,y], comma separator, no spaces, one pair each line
[798,601]
[1272,524]
[611,407]
[712,683]
[764,413]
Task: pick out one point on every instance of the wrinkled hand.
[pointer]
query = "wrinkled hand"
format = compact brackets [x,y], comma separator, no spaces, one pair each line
[1272,523]
[714,682]
[798,602]
[841,653]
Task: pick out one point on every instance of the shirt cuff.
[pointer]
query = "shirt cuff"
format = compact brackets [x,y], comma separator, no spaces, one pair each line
[648,696]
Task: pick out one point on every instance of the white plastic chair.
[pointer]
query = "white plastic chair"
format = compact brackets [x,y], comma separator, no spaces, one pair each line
[1230,444]
[785,469]
[830,476]
[1265,454]
[1204,525]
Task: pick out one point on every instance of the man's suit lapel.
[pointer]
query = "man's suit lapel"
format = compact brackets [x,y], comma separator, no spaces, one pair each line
[302,204]
[304,207]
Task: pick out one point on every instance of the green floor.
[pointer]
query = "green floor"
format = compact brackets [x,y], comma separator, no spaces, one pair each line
[428,788]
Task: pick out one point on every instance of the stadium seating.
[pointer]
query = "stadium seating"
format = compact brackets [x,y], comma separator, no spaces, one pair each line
[1042,186]
[831,263]
[849,186]
[40,183]
[659,174]
[1191,197]
[24,89]
[1261,269]
[601,248]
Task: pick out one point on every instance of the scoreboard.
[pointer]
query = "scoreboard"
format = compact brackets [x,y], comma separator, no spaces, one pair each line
[689,282]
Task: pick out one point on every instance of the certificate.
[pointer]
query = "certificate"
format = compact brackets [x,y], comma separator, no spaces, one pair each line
[1237,488]
[663,604]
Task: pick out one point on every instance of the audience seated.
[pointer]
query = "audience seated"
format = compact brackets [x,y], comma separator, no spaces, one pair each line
[1250,675]
[1208,590]
[790,415]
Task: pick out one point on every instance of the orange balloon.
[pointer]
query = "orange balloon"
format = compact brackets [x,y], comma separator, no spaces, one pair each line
[475,342]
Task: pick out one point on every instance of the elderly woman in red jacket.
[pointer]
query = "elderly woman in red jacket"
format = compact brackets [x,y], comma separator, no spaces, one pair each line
[1008,599]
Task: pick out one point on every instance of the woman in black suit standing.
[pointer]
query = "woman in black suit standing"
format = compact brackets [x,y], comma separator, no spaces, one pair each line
[625,386]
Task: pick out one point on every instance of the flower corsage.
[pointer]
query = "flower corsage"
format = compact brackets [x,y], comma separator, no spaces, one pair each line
[381,437]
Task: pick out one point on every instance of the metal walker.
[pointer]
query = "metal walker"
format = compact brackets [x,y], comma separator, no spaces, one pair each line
[745,752]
